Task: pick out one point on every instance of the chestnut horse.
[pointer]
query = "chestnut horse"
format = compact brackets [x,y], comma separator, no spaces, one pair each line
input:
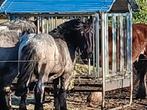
[52,57]
[139,45]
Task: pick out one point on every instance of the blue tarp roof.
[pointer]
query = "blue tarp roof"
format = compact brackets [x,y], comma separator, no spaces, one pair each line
[56,6]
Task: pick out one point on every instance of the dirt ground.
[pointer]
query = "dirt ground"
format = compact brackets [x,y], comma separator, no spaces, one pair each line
[77,101]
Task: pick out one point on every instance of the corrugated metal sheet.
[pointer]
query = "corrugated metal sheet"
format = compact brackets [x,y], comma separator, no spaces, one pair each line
[56,6]
[66,6]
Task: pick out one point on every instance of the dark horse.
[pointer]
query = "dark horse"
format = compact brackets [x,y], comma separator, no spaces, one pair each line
[52,56]
[9,46]
[141,67]
[139,53]
[139,46]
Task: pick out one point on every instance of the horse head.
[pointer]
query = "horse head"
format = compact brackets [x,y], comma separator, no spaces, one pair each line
[78,35]
[86,40]
[87,45]
[82,33]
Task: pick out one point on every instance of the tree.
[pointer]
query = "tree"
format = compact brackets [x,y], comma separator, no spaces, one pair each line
[141,16]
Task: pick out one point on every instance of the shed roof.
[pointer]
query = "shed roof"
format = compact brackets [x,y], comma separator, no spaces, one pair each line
[63,6]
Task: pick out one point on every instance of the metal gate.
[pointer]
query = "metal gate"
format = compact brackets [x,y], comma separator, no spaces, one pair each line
[113,55]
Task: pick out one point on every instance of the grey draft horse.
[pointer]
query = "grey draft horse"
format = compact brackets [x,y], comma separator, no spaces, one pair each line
[9,37]
[51,57]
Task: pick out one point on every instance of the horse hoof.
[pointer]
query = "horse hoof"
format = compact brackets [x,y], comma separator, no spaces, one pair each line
[141,92]
[39,108]
[63,108]
[22,107]
[140,96]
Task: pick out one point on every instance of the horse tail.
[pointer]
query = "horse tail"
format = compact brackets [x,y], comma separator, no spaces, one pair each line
[26,68]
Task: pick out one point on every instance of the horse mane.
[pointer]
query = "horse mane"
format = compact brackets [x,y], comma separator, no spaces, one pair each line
[63,30]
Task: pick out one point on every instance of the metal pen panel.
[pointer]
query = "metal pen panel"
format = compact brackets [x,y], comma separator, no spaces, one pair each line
[96,42]
[38,25]
[103,57]
[106,46]
[129,43]
[113,44]
[105,54]
[117,45]
[42,24]
[121,44]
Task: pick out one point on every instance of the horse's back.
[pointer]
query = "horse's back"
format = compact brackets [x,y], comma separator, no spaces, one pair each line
[51,54]
[42,49]
[44,45]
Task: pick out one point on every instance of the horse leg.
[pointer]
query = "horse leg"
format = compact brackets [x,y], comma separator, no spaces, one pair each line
[4,98]
[39,93]
[62,94]
[65,81]
[22,104]
[141,93]
[56,94]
